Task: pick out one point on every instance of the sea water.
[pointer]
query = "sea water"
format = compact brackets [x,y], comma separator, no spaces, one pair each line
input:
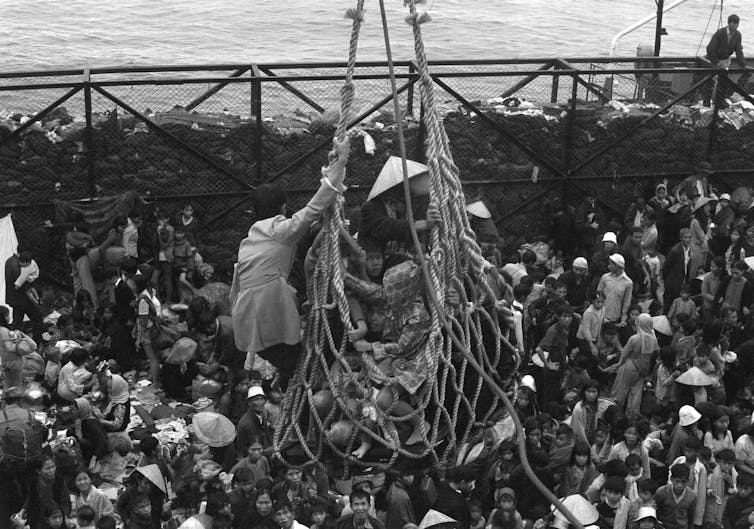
[43,34]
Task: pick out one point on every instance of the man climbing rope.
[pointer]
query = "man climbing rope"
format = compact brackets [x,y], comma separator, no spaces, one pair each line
[264,310]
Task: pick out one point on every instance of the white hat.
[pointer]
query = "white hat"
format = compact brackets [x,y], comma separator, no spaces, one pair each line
[392,174]
[661,324]
[749,262]
[646,512]
[688,415]
[725,196]
[433,518]
[610,237]
[154,475]
[582,510]
[580,262]
[478,209]
[701,202]
[255,391]
[695,377]
[617,259]
[528,382]
[730,357]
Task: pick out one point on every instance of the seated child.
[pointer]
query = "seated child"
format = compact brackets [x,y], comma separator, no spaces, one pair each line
[646,489]
[85,517]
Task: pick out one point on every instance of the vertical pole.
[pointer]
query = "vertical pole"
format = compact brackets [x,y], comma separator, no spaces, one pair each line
[410,96]
[256,110]
[555,83]
[421,155]
[658,27]
[88,147]
[722,78]
[567,154]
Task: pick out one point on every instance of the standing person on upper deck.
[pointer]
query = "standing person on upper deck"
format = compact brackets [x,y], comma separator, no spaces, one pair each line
[725,42]
[264,309]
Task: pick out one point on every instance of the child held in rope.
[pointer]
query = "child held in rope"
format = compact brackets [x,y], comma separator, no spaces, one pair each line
[357,394]
[401,352]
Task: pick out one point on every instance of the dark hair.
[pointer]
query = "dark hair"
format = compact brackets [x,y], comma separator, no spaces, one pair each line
[148,444]
[119,221]
[4,316]
[686,288]
[689,326]
[599,295]
[529,257]
[615,467]
[560,284]
[564,429]
[79,356]
[633,460]
[615,484]
[634,307]
[106,522]
[532,423]
[521,291]
[646,485]
[359,494]
[221,515]
[282,503]
[740,265]
[680,472]
[726,454]
[268,200]
[734,19]
[550,282]
[609,327]
[636,229]
[86,513]
[563,309]
[667,357]
[581,448]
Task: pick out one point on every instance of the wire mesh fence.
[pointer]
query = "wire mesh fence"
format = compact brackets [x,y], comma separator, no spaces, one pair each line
[528,136]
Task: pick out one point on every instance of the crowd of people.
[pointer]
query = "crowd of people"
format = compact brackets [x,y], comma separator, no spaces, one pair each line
[630,368]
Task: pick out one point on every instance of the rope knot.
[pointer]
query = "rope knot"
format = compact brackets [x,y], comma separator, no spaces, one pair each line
[355,14]
[416,19]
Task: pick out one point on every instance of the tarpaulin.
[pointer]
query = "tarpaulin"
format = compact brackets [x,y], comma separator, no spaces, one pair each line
[98,213]
[8,245]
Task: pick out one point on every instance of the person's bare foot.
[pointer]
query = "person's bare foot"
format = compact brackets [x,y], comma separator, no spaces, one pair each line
[361,451]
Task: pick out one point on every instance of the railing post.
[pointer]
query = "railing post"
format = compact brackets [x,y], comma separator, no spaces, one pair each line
[720,79]
[421,135]
[88,147]
[256,110]
[410,95]
[555,83]
[567,154]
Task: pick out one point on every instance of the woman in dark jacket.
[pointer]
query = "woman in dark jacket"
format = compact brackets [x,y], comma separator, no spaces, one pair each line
[48,487]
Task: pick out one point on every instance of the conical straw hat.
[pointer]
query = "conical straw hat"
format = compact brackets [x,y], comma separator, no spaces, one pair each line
[197,521]
[434,517]
[182,351]
[749,262]
[662,325]
[153,474]
[695,377]
[478,209]
[213,429]
[582,510]
[392,174]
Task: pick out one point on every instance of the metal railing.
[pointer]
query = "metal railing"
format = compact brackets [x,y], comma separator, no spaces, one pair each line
[238,125]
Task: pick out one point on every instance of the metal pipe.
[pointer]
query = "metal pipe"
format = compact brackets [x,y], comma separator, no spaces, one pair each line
[636,25]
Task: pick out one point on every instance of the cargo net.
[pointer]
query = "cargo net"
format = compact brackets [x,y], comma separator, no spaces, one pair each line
[337,418]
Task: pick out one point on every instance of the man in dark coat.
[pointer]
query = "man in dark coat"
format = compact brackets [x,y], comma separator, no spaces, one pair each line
[675,271]
[725,42]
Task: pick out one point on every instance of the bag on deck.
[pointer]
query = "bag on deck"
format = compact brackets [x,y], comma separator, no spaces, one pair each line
[22,443]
